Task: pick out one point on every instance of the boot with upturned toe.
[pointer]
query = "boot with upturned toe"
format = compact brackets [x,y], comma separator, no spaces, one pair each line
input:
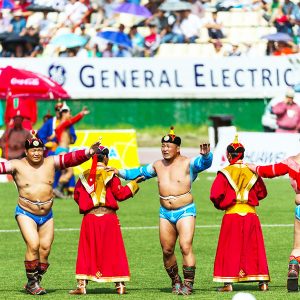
[32,272]
[226,288]
[120,287]
[186,289]
[81,288]
[293,274]
[263,286]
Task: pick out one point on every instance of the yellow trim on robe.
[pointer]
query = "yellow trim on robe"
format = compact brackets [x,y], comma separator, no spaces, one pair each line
[102,178]
[240,180]
[134,187]
[103,279]
[241,209]
[242,279]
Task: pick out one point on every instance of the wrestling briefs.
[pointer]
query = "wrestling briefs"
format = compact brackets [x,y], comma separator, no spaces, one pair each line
[39,220]
[176,214]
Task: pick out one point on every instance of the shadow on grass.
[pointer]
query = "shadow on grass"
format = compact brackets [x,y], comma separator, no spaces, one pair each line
[91,291]
[48,291]
[236,288]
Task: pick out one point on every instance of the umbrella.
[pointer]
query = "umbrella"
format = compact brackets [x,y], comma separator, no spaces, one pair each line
[4,35]
[69,40]
[23,83]
[7,4]
[277,37]
[116,37]
[12,40]
[41,8]
[133,9]
[175,5]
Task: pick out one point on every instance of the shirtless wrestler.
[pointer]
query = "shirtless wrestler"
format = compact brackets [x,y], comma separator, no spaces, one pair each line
[175,175]
[290,166]
[34,177]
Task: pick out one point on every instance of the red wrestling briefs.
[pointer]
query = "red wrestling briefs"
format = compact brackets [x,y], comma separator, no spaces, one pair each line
[71,159]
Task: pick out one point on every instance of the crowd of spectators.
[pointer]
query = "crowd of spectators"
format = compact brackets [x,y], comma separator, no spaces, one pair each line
[28,28]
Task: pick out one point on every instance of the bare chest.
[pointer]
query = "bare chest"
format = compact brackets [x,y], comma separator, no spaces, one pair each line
[29,175]
[174,173]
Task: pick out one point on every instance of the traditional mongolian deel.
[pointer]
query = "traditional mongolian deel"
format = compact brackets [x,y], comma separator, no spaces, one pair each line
[101,252]
[241,252]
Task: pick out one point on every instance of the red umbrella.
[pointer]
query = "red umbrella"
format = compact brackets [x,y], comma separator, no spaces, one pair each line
[23,83]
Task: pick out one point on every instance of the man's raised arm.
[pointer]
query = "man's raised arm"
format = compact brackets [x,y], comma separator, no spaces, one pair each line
[203,161]
[75,158]
[270,171]
[6,167]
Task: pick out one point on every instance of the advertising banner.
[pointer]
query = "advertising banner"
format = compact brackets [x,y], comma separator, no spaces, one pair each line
[261,148]
[122,147]
[227,77]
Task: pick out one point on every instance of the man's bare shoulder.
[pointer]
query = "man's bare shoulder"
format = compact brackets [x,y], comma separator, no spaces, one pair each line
[49,159]
[157,163]
[18,162]
[184,158]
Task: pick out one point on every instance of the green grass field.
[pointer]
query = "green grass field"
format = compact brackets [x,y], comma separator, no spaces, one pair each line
[139,219]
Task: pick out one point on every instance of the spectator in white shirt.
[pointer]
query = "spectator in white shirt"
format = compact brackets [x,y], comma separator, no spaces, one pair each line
[4,22]
[76,11]
[190,26]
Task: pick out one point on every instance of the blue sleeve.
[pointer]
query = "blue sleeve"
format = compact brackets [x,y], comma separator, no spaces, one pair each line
[199,164]
[45,131]
[129,174]
[73,134]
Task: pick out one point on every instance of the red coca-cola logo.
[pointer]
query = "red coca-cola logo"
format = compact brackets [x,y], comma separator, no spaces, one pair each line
[27,81]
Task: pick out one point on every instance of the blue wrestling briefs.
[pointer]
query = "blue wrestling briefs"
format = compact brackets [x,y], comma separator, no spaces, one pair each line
[39,220]
[176,214]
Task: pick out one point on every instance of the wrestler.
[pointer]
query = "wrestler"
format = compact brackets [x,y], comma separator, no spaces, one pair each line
[64,138]
[175,175]
[34,177]
[290,166]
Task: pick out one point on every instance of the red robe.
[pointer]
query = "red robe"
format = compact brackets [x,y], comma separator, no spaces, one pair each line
[101,253]
[241,252]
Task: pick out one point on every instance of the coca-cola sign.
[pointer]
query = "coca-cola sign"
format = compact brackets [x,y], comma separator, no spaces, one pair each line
[27,81]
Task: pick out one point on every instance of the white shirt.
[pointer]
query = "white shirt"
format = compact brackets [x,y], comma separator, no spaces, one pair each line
[75,12]
[191,25]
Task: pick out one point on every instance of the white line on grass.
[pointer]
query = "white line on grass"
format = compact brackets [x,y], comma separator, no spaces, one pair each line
[147,227]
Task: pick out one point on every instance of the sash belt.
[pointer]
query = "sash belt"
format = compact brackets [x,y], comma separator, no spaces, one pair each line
[101,210]
[240,208]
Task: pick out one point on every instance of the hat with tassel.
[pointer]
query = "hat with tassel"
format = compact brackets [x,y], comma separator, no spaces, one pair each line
[34,142]
[171,138]
[236,150]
